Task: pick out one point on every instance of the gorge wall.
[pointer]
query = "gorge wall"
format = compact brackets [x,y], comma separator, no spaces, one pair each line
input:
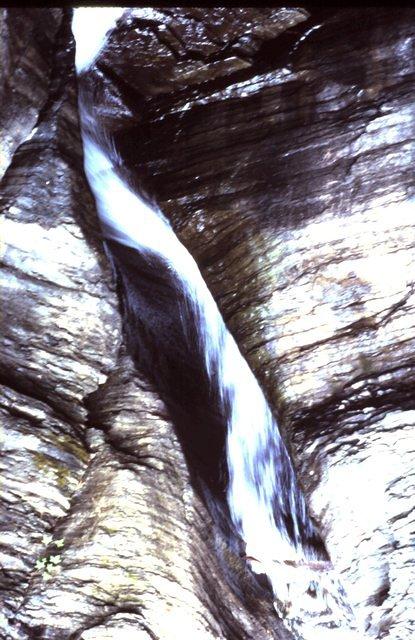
[280,144]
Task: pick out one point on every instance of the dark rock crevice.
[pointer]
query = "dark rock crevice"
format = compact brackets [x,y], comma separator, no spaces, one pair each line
[29,43]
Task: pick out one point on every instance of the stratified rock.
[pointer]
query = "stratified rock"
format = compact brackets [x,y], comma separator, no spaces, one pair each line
[137,539]
[102,533]
[290,179]
[60,324]
[43,459]
[61,321]
[27,47]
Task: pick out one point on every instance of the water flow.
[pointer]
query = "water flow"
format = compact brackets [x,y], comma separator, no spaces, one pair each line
[265,502]
[90,28]
[263,491]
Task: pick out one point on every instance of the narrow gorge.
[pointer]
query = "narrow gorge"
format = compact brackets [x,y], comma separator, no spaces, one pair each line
[207,325]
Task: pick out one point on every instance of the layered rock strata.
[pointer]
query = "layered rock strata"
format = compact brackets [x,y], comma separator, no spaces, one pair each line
[102,532]
[280,144]
[288,175]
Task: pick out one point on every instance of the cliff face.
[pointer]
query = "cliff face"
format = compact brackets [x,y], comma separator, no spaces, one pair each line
[291,182]
[280,145]
[102,533]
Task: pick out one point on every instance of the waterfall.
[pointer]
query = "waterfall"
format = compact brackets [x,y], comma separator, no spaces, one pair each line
[265,502]
[263,493]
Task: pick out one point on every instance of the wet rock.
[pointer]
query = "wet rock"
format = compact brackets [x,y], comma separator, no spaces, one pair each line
[27,45]
[180,48]
[60,323]
[291,182]
[102,532]
[138,547]
[60,326]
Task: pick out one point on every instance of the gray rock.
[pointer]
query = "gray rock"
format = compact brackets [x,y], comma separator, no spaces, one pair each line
[281,147]
[102,532]
[291,183]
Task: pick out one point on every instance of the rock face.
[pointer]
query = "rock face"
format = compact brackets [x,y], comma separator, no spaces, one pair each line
[280,144]
[102,533]
[27,47]
[288,175]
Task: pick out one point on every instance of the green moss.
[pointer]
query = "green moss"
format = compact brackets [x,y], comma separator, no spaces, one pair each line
[366,364]
[48,465]
[67,443]
[48,565]
[110,530]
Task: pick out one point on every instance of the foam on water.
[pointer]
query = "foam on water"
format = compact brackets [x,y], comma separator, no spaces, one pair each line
[90,27]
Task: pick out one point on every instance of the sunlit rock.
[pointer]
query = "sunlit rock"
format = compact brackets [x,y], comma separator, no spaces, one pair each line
[136,539]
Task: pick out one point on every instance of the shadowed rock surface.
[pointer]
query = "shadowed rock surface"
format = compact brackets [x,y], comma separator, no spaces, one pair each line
[27,48]
[281,146]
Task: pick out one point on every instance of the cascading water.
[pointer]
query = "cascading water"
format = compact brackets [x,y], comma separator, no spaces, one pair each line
[265,502]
